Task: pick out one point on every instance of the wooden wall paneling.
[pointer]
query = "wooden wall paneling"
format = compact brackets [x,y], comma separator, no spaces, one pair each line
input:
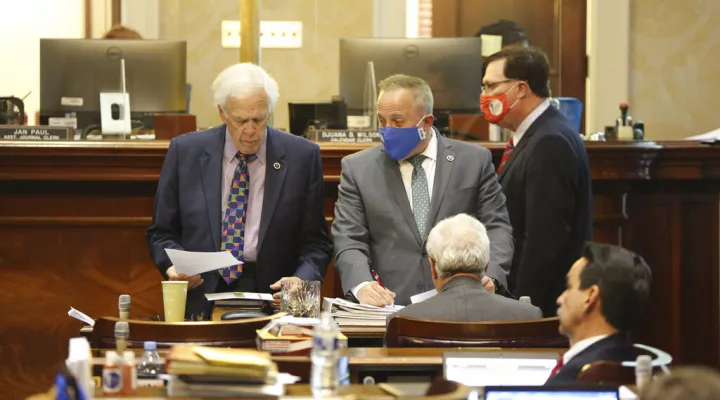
[73,216]
[445,15]
[655,235]
[698,277]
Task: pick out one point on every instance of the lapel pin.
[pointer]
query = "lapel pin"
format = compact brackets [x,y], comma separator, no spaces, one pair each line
[276,165]
[450,158]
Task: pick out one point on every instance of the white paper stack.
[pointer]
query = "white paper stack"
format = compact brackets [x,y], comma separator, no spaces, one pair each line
[347,313]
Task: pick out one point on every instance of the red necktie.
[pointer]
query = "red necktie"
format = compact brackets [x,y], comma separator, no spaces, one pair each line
[506,154]
[557,367]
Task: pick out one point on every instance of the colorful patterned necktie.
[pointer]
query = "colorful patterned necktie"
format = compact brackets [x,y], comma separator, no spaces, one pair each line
[420,194]
[506,154]
[233,233]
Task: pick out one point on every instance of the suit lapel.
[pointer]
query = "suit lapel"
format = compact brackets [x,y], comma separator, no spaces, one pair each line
[391,172]
[443,169]
[525,140]
[211,175]
[275,171]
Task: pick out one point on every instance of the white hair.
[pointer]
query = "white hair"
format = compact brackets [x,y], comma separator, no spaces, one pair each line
[240,81]
[459,244]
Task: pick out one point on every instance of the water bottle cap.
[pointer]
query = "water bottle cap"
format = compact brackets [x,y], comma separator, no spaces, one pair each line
[150,346]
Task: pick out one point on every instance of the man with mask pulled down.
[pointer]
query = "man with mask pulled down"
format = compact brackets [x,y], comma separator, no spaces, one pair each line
[544,174]
[390,197]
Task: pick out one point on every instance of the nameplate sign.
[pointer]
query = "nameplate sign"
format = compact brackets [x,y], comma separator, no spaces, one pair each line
[19,132]
[348,136]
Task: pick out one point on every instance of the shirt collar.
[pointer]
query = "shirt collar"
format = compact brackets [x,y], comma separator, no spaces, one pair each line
[431,149]
[230,150]
[525,124]
[578,347]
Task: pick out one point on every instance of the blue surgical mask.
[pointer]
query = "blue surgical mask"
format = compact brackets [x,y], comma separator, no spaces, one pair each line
[399,142]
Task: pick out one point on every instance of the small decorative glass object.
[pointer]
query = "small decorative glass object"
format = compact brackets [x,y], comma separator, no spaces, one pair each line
[300,298]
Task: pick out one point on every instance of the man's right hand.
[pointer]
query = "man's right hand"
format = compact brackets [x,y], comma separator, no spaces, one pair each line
[193,281]
[375,295]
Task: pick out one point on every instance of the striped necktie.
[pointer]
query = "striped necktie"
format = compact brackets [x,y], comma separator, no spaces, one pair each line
[506,154]
[233,233]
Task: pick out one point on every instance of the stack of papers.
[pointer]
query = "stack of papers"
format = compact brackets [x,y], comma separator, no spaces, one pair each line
[347,313]
[240,300]
[198,371]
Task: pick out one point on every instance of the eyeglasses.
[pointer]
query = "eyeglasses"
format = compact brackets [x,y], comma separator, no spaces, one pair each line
[491,86]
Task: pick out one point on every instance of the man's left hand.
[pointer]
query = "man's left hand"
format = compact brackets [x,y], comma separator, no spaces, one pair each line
[277,286]
[488,284]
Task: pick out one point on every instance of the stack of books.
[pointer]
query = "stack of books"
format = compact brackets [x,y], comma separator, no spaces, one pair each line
[197,371]
[347,313]
[239,300]
[290,336]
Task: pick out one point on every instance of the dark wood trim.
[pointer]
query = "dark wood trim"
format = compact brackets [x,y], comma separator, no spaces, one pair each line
[116,16]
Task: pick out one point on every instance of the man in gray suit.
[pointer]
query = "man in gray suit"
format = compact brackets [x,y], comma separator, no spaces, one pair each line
[390,196]
[459,251]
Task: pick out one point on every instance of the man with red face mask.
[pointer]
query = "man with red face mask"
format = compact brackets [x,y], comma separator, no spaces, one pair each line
[544,174]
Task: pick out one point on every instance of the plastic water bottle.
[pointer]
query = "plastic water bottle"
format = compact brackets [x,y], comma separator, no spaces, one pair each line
[150,365]
[643,371]
[323,378]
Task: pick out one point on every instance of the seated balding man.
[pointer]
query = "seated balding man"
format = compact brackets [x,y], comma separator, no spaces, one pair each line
[459,252]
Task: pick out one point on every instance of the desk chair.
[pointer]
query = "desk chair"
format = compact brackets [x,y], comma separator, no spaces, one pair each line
[238,333]
[616,373]
[413,332]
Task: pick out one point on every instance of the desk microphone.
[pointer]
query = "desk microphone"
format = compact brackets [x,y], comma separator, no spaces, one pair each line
[122,332]
[124,306]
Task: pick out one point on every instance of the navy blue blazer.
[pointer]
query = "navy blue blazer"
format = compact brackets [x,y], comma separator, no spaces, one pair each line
[546,181]
[615,347]
[293,239]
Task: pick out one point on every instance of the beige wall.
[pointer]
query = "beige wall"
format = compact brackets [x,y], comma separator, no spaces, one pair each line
[674,64]
[306,74]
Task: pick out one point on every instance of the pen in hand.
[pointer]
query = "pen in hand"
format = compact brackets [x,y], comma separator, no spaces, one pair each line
[377,278]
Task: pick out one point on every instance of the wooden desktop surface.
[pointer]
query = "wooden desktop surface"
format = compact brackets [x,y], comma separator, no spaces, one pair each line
[302,391]
[73,216]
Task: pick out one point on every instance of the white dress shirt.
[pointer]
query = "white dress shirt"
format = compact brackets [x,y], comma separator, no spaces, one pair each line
[578,347]
[525,124]
[406,170]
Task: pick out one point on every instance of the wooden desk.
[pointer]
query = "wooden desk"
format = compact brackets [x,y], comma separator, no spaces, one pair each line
[73,216]
[380,363]
[351,392]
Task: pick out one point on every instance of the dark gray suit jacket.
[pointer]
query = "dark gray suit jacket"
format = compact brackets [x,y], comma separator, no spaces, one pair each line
[463,299]
[374,225]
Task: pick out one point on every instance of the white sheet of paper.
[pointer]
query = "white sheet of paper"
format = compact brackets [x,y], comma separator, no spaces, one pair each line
[626,394]
[194,262]
[81,316]
[238,296]
[423,296]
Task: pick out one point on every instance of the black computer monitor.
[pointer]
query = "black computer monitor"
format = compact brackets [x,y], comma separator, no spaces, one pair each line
[73,73]
[451,66]
[319,115]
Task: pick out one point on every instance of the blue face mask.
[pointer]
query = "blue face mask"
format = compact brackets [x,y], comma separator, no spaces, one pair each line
[399,142]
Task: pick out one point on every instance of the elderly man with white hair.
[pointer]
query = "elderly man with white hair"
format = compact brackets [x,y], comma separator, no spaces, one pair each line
[459,252]
[242,187]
